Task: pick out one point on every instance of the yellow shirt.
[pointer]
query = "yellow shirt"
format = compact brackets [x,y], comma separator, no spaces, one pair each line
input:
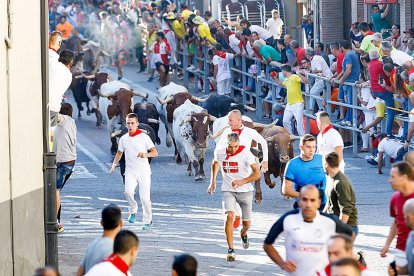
[151,38]
[294,93]
[179,28]
[186,13]
[204,32]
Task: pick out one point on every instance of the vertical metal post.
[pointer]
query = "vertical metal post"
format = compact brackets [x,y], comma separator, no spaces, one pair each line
[49,172]
[328,97]
[243,79]
[206,71]
[354,122]
[185,63]
[259,106]
[307,108]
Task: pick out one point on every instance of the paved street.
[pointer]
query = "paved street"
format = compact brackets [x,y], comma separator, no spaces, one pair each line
[186,219]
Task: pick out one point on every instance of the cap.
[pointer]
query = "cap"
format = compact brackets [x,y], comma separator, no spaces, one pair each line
[198,20]
[247,32]
[410,31]
[170,16]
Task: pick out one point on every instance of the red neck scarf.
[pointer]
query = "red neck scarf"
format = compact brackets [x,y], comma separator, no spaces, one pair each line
[238,131]
[228,155]
[221,54]
[326,129]
[370,33]
[118,263]
[138,131]
[53,50]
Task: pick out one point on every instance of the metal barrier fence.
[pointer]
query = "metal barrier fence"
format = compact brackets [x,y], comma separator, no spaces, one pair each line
[262,79]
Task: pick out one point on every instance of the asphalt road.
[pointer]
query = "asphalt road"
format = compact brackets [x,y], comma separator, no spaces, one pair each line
[186,218]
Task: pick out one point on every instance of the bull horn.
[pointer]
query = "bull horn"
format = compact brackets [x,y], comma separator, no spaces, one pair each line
[218,133]
[116,133]
[212,118]
[233,104]
[139,94]
[200,100]
[167,100]
[186,120]
[249,108]
[266,126]
[294,137]
[144,130]
[154,121]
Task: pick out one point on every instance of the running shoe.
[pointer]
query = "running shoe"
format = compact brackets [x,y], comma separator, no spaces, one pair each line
[150,79]
[231,255]
[362,258]
[60,229]
[372,162]
[245,242]
[147,226]
[132,218]
[236,222]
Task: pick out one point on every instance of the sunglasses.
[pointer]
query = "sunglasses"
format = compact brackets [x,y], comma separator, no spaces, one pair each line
[304,62]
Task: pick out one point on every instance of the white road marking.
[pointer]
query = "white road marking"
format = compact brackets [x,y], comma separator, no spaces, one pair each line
[101,165]
[80,172]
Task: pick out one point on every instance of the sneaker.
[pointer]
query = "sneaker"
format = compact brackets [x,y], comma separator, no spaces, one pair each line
[147,226]
[236,222]
[60,229]
[231,255]
[132,218]
[372,162]
[245,242]
[192,67]
[150,79]
[361,258]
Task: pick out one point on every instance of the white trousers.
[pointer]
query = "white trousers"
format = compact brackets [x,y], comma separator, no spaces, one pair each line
[316,90]
[296,111]
[370,116]
[144,182]
[223,87]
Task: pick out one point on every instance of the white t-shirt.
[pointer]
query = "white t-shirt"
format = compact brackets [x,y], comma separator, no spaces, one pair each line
[223,66]
[328,141]
[367,97]
[60,78]
[234,43]
[319,63]
[131,146]
[399,57]
[262,32]
[246,136]
[249,49]
[389,147]
[64,139]
[411,116]
[106,269]
[275,27]
[235,167]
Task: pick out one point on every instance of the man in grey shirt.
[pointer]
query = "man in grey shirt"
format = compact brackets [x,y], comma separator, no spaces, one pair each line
[102,247]
[64,145]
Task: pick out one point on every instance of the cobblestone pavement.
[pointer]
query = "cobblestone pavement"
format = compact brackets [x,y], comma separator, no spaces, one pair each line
[186,219]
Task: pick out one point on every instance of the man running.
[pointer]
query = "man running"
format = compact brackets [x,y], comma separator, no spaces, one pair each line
[239,170]
[306,235]
[137,147]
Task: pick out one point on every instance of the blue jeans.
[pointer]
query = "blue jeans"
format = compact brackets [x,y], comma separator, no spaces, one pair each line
[355,229]
[348,100]
[408,106]
[388,97]
[63,172]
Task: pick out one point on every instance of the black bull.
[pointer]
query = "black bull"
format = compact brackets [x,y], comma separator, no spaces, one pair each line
[145,111]
[78,87]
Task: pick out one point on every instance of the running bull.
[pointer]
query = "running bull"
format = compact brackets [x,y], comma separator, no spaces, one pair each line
[191,131]
[221,105]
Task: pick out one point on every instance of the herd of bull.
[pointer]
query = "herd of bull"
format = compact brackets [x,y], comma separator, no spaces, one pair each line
[189,121]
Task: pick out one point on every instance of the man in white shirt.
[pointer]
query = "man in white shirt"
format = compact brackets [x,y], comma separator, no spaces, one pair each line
[137,147]
[263,33]
[397,56]
[329,140]
[275,25]
[125,252]
[222,73]
[318,66]
[238,170]
[306,235]
[393,148]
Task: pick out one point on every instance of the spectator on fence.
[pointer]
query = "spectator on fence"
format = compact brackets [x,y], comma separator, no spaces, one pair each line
[366,44]
[320,51]
[395,38]
[410,47]
[378,79]
[355,35]
[376,39]
[275,25]
[289,52]
[398,57]
[220,37]
[203,31]
[318,66]
[350,74]
[295,103]
[184,265]
[299,52]
[267,52]
[379,19]
[401,180]
[222,73]
[283,50]
[263,33]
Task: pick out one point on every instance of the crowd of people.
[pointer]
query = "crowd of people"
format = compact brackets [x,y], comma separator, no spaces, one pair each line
[376,63]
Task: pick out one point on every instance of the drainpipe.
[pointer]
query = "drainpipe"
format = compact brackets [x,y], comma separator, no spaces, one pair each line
[49,158]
